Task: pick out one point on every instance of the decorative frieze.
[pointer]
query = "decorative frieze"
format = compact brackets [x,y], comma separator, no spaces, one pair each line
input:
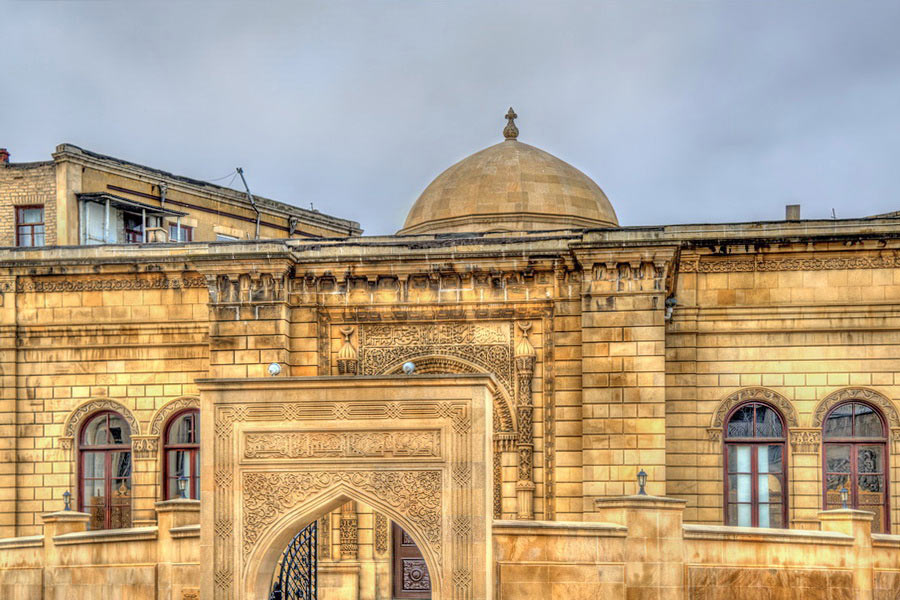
[84,284]
[381,444]
[759,263]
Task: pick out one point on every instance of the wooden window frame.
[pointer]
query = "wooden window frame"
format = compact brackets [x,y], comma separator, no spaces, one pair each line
[193,451]
[107,450]
[854,442]
[186,229]
[755,442]
[20,215]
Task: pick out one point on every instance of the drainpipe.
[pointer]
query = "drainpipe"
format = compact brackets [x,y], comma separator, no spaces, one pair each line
[250,198]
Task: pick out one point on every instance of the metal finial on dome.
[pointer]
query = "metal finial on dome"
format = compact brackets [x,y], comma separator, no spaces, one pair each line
[511,132]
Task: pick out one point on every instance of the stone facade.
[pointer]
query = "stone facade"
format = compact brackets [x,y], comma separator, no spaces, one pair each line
[598,353]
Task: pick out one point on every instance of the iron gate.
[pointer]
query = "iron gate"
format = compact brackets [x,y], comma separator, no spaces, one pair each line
[296,578]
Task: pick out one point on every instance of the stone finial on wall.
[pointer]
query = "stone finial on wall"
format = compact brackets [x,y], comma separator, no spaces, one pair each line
[347,358]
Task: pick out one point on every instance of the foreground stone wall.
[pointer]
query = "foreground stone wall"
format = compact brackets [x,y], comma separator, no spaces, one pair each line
[646,552]
[70,563]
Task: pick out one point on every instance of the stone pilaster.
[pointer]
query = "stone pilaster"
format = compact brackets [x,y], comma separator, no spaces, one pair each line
[525,359]
[8,450]
[858,524]
[623,369]
[249,318]
[654,544]
[144,475]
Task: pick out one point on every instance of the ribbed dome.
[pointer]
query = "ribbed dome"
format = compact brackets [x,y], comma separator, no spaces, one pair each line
[510,186]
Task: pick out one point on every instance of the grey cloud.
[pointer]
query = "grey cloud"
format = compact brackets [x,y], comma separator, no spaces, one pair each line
[681,111]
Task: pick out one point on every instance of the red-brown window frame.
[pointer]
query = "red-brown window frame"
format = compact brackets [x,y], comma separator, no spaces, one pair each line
[193,450]
[188,230]
[19,224]
[107,450]
[754,468]
[853,442]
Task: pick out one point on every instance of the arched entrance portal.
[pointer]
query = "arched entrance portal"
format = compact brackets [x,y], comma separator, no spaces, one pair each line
[286,451]
[353,553]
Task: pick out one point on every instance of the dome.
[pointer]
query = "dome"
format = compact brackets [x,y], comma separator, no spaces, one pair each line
[510,186]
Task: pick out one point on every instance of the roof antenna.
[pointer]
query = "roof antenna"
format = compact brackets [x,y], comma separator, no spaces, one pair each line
[240,172]
[833,216]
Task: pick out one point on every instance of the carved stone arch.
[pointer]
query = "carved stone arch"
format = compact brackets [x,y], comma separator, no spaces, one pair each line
[86,409]
[263,558]
[165,412]
[869,396]
[504,415]
[755,394]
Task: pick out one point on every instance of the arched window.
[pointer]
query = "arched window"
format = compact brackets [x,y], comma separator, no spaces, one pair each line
[182,451]
[105,471]
[755,471]
[855,456]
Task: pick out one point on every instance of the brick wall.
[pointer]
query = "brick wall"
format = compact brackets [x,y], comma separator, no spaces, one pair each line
[27,184]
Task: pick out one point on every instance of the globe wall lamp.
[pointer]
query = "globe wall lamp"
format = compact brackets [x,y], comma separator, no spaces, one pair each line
[642,481]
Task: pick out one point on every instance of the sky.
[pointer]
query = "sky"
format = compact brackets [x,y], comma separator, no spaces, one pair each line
[682,111]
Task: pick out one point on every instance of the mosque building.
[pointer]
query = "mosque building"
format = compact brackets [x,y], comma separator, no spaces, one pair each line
[208,394]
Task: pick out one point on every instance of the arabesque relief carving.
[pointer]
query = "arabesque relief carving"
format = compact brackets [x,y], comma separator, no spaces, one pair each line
[488,346]
[758,394]
[381,534]
[163,415]
[101,285]
[343,444]
[90,407]
[525,357]
[861,394]
[416,494]
[757,263]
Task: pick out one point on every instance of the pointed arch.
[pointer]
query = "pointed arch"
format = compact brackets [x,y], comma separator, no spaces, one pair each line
[86,409]
[263,560]
[873,397]
[755,394]
[162,415]
[434,364]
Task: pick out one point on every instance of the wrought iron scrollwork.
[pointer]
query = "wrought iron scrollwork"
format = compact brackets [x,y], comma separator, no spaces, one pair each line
[296,578]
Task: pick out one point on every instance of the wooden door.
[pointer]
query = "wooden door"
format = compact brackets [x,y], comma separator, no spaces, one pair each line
[411,578]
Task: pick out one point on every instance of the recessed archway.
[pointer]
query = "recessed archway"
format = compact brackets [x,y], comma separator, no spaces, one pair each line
[287,450]
[263,563]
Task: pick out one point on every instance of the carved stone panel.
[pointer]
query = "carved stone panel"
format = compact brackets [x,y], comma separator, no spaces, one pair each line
[405,444]
[287,451]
